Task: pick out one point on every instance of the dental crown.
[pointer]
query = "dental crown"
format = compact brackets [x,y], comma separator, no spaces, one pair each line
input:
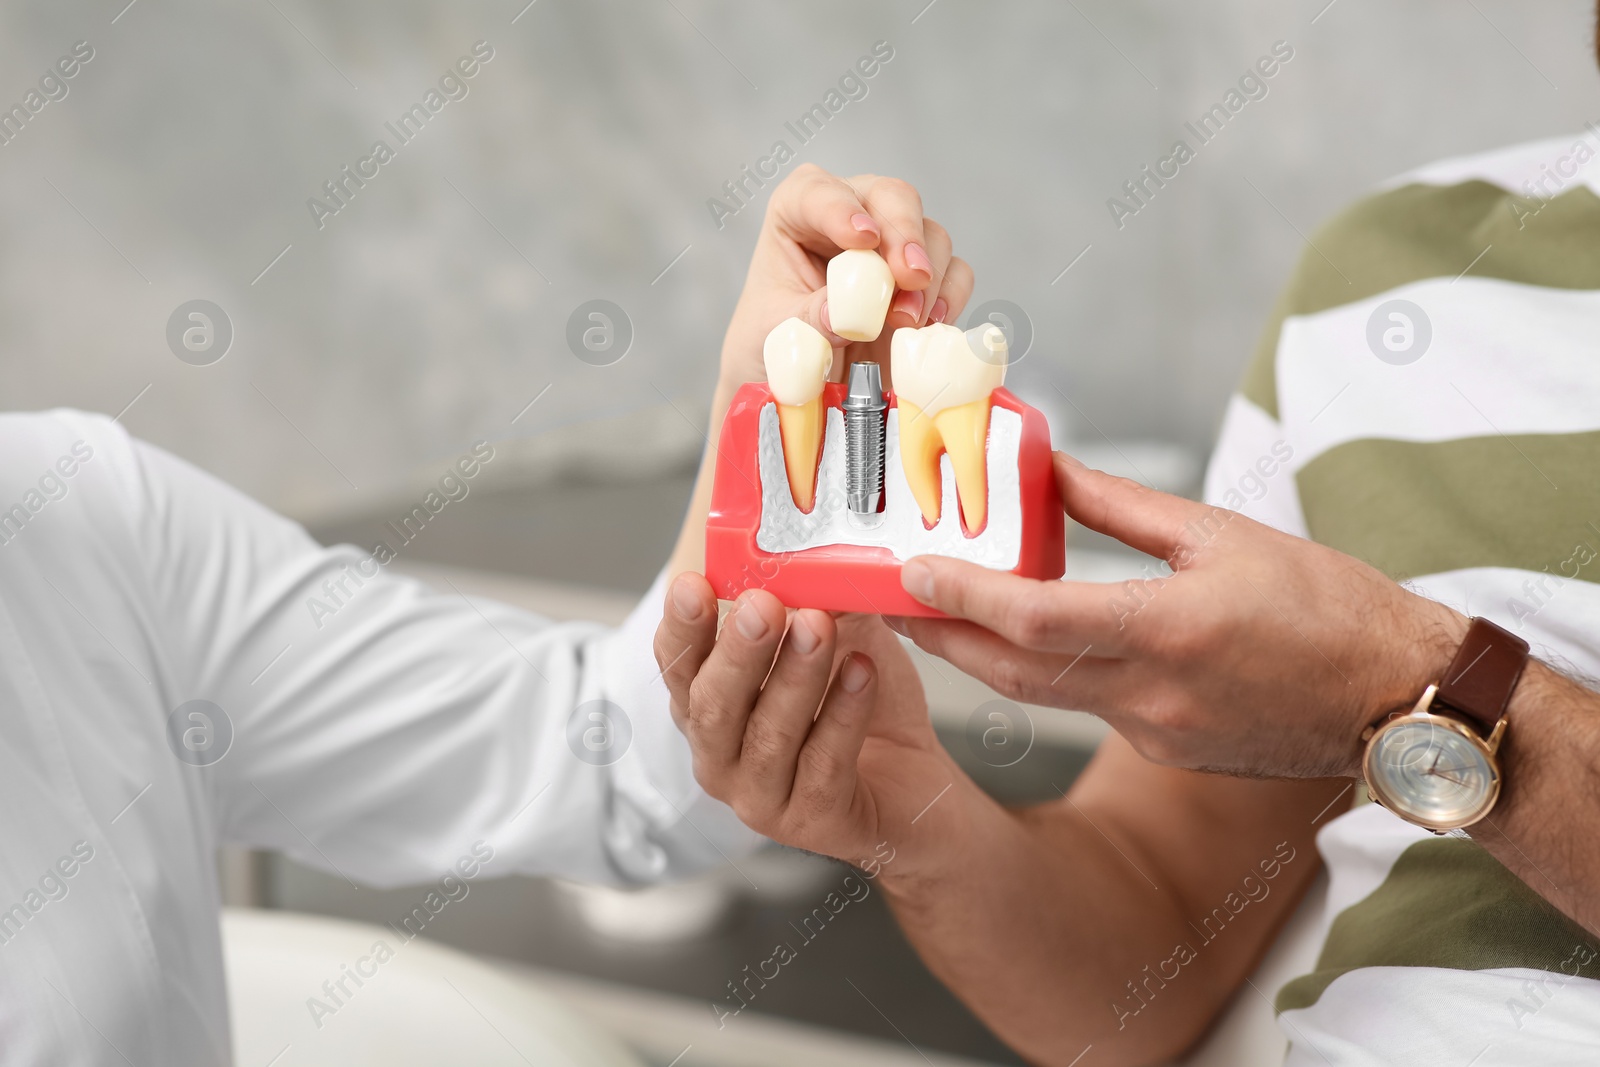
[859,287]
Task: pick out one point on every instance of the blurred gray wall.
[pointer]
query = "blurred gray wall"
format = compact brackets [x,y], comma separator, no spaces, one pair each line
[434,307]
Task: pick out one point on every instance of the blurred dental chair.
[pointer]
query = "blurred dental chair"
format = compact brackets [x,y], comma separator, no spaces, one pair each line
[432,1005]
[426,1006]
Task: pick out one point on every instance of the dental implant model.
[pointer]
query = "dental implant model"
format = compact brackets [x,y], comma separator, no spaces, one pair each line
[864,428]
[824,488]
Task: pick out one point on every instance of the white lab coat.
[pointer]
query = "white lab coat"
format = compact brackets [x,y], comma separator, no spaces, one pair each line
[381,746]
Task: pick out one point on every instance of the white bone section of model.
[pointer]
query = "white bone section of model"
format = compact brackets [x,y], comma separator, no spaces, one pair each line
[943,378]
[860,284]
[785,528]
[797,358]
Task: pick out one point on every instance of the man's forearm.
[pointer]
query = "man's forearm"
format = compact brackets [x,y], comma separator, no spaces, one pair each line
[1548,817]
[1032,929]
[1054,937]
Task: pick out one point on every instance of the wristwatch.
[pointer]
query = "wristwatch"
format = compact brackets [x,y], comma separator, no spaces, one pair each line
[1438,766]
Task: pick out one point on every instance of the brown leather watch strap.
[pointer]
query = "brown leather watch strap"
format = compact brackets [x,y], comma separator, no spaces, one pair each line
[1479,681]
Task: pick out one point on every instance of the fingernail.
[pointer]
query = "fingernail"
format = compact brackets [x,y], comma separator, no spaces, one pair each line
[897,624]
[827,323]
[802,638]
[684,601]
[749,621]
[1072,461]
[864,223]
[909,303]
[940,308]
[917,259]
[854,675]
[916,578]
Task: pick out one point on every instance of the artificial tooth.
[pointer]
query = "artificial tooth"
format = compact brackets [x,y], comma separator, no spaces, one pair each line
[943,379]
[798,358]
[859,287]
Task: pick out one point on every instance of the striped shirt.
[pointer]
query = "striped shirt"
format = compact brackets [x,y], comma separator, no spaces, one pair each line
[1427,399]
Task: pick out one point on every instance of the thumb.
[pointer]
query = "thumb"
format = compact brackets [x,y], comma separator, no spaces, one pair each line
[1152,522]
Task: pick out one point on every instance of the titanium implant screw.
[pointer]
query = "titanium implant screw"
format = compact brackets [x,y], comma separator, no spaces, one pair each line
[864,431]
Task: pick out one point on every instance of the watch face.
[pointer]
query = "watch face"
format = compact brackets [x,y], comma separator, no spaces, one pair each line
[1431,773]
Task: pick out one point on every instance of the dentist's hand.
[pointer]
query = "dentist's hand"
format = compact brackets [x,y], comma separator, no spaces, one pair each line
[819,737]
[811,217]
[1263,654]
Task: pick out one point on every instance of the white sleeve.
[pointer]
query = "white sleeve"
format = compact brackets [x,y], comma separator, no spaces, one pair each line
[382,729]
[1252,469]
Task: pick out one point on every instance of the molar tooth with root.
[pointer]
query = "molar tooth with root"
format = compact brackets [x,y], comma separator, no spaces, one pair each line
[942,381]
[798,358]
[859,287]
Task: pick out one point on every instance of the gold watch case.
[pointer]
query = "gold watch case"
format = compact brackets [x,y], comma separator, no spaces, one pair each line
[1388,782]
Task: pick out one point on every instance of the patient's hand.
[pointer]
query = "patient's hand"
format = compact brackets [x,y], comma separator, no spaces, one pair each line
[1262,654]
[812,217]
[818,738]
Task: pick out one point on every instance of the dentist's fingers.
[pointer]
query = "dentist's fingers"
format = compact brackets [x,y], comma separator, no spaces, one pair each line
[954,292]
[897,207]
[821,213]
[911,307]
[825,776]
[784,713]
[725,690]
[687,633]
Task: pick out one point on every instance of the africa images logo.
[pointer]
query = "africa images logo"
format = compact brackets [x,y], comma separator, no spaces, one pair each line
[199,733]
